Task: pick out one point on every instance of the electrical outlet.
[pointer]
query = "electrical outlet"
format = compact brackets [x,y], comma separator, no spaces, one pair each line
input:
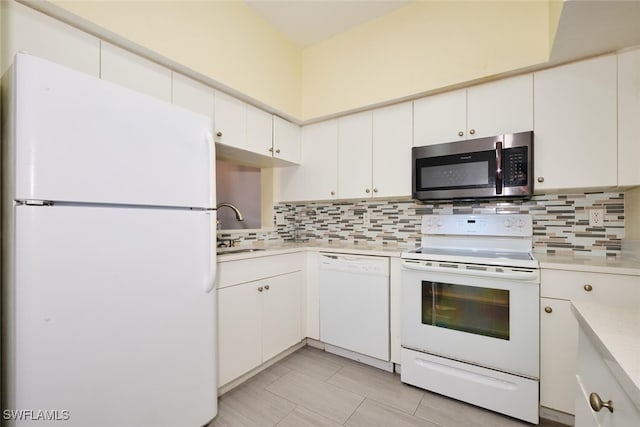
[596,217]
[366,219]
[279,219]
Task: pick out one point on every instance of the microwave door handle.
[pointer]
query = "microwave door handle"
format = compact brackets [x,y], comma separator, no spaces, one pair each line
[499,167]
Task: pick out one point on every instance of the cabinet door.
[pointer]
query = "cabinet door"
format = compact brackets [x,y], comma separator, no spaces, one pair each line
[354,155]
[440,118]
[629,117]
[192,95]
[558,353]
[132,71]
[281,314]
[259,131]
[230,121]
[286,140]
[320,160]
[576,125]
[239,330]
[392,140]
[37,34]
[290,183]
[496,108]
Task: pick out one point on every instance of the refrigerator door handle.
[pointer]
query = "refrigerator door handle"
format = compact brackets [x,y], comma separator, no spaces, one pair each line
[210,283]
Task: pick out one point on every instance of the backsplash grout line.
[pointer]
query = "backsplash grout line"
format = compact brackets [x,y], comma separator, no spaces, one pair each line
[560,222]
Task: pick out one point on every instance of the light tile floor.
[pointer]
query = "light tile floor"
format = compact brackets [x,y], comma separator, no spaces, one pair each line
[311,388]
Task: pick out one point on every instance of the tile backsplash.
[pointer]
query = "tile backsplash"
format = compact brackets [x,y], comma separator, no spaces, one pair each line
[560,221]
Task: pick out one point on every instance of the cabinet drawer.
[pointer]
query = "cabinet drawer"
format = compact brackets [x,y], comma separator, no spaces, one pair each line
[246,270]
[611,289]
[595,377]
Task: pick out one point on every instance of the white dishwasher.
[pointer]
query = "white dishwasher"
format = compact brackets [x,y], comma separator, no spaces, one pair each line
[354,304]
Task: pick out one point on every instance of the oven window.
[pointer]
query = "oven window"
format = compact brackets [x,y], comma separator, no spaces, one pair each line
[480,311]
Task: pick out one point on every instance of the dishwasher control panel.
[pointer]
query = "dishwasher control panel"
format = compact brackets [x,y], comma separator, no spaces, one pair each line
[376,266]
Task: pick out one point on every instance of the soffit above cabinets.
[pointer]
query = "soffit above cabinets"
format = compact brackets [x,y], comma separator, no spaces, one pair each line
[589,28]
[306,22]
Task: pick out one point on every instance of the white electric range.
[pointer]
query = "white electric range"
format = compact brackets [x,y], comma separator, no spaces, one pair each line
[470,312]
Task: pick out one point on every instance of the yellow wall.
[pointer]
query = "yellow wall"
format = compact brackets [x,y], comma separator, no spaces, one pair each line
[224,40]
[555,10]
[632,215]
[419,48]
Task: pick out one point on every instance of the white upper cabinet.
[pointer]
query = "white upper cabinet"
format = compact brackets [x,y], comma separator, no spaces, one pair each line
[354,155]
[496,108]
[259,131]
[37,34]
[230,121]
[575,130]
[286,140]
[132,71]
[440,118]
[192,95]
[629,118]
[374,153]
[391,160]
[504,106]
[320,160]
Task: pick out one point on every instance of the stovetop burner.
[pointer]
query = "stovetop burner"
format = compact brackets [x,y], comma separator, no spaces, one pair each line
[477,239]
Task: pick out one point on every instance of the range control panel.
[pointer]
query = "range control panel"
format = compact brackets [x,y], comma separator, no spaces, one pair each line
[508,225]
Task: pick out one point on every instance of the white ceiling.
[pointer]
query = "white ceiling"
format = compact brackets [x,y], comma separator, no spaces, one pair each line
[306,22]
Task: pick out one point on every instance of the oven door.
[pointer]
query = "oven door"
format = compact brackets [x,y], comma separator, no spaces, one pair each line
[482,315]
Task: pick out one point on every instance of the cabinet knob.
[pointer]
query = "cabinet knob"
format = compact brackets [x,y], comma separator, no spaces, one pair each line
[588,287]
[271,149]
[277,150]
[540,179]
[266,287]
[367,191]
[375,190]
[472,131]
[260,289]
[460,133]
[218,133]
[548,309]
[333,193]
[597,404]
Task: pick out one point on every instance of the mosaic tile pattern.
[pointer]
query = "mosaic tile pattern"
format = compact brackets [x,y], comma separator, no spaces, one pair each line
[560,222]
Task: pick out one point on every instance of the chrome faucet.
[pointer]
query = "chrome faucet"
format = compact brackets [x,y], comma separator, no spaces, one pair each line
[239,216]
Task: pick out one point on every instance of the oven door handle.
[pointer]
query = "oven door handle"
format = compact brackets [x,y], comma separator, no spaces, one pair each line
[491,271]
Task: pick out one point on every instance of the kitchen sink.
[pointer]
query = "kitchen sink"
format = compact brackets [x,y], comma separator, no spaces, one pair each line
[224,251]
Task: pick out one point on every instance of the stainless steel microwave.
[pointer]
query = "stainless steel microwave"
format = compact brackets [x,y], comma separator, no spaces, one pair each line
[495,167]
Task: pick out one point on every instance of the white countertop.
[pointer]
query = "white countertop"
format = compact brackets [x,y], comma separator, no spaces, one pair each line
[626,263]
[614,333]
[283,248]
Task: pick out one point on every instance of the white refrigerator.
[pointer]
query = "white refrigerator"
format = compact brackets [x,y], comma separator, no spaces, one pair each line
[108,255]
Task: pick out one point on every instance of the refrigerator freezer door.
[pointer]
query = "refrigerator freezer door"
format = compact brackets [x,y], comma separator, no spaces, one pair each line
[112,322]
[82,139]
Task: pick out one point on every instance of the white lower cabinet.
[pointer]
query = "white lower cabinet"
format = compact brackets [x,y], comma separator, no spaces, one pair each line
[239,330]
[595,381]
[260,305]
[558,349]
[559,328]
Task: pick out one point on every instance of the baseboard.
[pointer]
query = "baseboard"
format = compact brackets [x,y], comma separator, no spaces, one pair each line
[557,416]
[235,383]
[367,360]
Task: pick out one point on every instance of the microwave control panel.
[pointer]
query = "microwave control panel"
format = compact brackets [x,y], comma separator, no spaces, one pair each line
[515,162]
